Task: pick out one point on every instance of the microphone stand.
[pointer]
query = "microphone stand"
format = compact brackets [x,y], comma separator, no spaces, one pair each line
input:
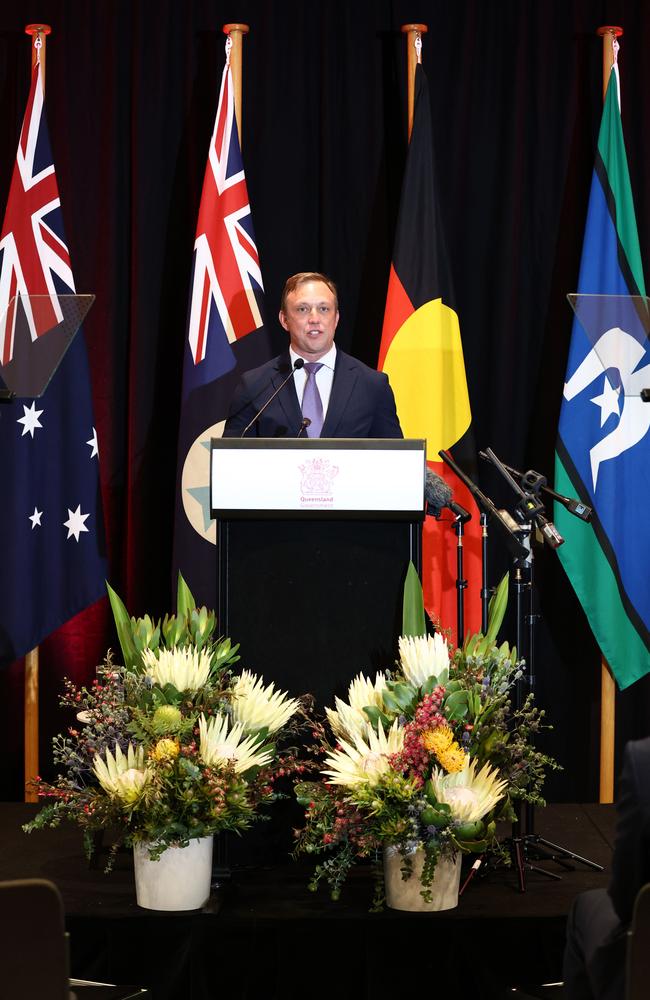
[530,843]
[297,365]
[461,582]
[485,590]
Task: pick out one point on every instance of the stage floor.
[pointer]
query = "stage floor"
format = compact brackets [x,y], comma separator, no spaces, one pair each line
[265,935]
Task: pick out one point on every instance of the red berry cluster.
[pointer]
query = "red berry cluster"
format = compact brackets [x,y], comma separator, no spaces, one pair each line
[413,758]
[349,824]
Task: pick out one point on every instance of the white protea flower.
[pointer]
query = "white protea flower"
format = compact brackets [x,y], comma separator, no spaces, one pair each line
[422,657]
[220,746]
[469,795]
[364,759]
[257,707]
[349,719]
[186,667]
[123,775]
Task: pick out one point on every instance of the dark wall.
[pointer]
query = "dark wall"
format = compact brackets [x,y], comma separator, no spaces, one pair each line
[516,96]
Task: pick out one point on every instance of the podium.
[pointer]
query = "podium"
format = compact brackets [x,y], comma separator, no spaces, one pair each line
[314,538]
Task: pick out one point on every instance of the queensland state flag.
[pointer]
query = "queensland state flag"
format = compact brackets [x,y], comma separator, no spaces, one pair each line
[422,354]
[603,448]
[52,551]
[225,336]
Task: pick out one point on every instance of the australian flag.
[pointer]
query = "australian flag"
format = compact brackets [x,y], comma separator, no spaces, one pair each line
[225,336]
[52,562]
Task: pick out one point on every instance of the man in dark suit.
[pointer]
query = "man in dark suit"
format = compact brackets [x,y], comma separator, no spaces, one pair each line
[330,394]
[594,961]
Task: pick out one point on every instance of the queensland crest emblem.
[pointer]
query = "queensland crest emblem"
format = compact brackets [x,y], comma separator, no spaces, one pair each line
[317,477]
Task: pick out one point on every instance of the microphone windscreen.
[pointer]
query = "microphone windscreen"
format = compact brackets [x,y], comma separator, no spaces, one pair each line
[298,364]
[436,492]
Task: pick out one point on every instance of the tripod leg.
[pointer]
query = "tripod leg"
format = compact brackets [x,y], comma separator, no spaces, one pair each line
[519,861]
[564,853]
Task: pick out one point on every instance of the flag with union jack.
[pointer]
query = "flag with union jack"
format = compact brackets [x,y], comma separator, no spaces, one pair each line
[51,523]
[225,337]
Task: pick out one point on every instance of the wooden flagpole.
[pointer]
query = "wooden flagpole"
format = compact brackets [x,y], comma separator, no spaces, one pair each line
[236,33]
[39,33]
[413,34]
[609,35]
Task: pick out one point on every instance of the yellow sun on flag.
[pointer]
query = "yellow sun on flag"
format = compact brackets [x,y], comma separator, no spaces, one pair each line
[426,369]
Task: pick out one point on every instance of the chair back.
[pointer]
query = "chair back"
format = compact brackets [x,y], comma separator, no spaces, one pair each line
[638,949]
[33,942]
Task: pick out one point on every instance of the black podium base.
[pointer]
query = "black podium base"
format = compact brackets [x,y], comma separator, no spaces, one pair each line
[313,603]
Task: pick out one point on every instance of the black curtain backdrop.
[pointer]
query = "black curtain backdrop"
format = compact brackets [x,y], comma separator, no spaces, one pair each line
[131,93]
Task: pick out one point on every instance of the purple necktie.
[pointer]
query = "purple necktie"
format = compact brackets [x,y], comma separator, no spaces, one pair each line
[312,404]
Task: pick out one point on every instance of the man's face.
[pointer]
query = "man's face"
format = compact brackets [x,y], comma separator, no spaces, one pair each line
[311,317]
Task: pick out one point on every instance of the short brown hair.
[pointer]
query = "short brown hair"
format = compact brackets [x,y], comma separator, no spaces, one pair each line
[302,278]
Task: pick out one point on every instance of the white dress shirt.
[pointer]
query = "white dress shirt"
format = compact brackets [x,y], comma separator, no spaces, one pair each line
[324,376]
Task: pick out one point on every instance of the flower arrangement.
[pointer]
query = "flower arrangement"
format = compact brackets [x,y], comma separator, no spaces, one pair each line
[171,745]
[429,755]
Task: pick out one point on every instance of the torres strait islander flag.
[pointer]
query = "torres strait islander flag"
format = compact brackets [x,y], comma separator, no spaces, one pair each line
[422,354]
[225,336]
[51,524]
[603,447]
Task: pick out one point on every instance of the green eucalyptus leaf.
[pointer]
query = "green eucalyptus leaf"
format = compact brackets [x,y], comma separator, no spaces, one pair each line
[174,630]
[124,629]
[391,703]
[413,623]
[375,715]
[471,643]
[403,694]
[185,603]
[456,706]
[497,608]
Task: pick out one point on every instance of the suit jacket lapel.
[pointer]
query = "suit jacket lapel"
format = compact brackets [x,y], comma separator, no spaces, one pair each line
[345,376]
[288,398]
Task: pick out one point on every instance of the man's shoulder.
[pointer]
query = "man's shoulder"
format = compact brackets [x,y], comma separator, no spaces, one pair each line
[279,363]
[352,363]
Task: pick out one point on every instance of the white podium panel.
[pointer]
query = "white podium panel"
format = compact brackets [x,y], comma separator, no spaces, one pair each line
[321,477]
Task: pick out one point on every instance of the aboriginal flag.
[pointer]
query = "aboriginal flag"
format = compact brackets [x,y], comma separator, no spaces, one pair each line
[422,354]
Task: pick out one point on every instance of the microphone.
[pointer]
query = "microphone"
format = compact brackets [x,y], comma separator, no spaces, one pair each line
[297,365]
[306,422]
[437,494]
[530,505]
[535,480]
[549,531]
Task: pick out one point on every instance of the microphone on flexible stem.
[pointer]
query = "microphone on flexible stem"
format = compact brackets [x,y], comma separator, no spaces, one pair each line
[530,506]
[297,365]
[304,425]
[438,494]
[535,480]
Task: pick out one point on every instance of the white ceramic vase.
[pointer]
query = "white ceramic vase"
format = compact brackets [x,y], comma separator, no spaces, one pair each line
[405,894]
[178,880]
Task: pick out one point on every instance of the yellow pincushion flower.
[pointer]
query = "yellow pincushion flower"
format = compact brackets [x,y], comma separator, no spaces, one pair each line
[165,751]
[437,740]
[453,759]
[441,742]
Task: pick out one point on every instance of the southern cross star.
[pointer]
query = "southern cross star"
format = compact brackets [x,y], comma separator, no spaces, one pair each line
[94,446]
[35,518]
[30,419]
[75,523]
